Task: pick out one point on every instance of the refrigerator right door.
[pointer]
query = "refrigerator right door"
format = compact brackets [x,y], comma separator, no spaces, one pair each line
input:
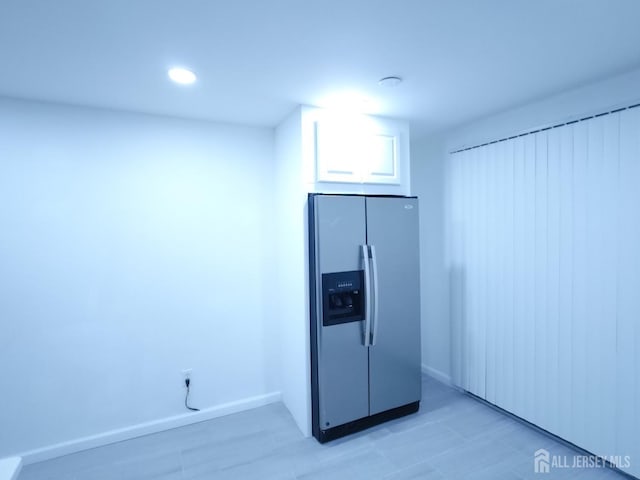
[395,359]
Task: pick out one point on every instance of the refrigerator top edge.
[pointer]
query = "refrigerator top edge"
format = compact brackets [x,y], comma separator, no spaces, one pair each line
[320,194]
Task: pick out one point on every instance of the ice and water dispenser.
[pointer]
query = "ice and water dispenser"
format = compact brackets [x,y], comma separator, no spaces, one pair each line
[342,297]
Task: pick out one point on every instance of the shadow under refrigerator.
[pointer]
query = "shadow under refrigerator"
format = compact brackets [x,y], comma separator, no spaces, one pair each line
[365,311]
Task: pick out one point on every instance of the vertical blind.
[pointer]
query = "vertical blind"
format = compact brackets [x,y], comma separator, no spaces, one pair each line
[544,255]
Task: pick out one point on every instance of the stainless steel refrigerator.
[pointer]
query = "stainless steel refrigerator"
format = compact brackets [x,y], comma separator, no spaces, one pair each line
[364,311]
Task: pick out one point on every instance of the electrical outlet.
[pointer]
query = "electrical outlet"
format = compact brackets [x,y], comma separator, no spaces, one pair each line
[186,373]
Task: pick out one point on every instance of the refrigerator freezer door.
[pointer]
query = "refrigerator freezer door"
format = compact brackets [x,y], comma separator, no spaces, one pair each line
[342,357]
[394,361]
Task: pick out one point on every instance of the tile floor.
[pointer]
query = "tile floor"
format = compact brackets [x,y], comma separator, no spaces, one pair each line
[453,436]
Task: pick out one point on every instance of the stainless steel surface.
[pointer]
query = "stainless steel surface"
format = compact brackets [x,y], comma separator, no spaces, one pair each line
[374,274]
[367,289]
[394,362]
[342,359]
[341,231]
[370,366]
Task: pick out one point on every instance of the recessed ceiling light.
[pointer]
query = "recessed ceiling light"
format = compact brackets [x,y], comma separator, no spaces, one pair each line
[390,82]
[182,76]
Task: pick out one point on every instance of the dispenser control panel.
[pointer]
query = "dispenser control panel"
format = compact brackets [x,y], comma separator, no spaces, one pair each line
[342,297]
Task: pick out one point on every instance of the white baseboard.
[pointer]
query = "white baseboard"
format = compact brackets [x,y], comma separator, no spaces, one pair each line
[147,428]
[437,374]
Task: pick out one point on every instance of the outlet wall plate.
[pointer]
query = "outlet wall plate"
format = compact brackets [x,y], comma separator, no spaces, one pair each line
[186,373]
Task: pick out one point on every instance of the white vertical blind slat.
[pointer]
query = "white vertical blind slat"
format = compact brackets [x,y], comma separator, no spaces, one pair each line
[519,284]
[490,267]
[540,281]
[508,379]
[475,288]
[470,307]
[529,283]
[498,384]
[552,352]
[628,300]
[565,325]
[609,320]
[608,282]
[581,302]
[455,232]
[481,274]
[593,279]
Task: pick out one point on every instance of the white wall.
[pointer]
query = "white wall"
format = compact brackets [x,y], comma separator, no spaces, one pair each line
[129,250]
[428,155]
[427,182]
[618,91]
[291,288]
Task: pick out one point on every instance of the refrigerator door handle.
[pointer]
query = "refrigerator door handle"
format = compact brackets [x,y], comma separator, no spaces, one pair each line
[367,295]
[375,316]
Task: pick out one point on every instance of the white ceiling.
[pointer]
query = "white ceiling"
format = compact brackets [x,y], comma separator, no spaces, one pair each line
[257,59]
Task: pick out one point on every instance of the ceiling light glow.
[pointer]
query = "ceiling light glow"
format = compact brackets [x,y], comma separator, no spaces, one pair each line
[348,101]
[182,76]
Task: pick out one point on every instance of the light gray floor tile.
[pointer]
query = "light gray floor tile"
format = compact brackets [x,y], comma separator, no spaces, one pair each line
[415,446]
[419,471]
[452,436]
